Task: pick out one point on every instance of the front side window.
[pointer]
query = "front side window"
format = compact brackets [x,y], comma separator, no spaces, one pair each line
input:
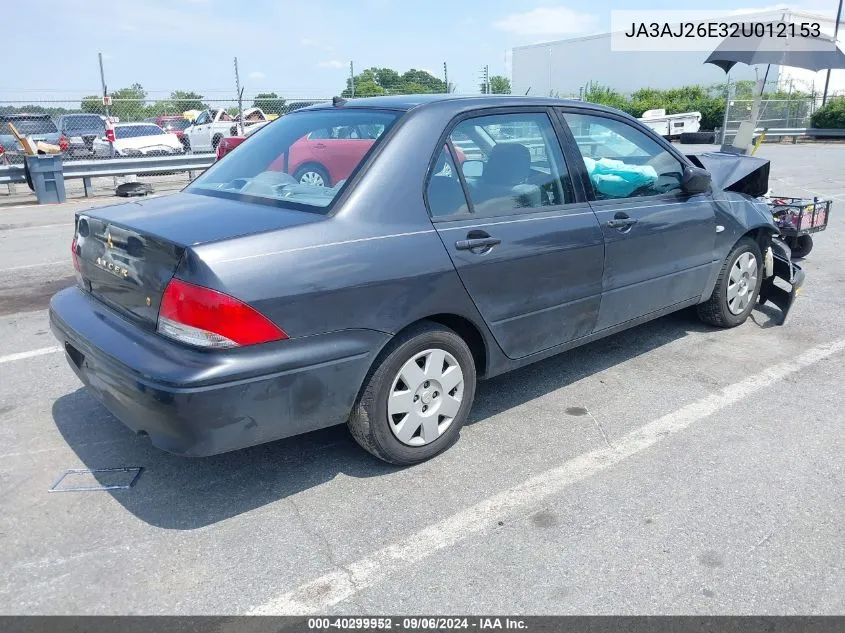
[622,161]
[512,161]
[202,118]
[278,167]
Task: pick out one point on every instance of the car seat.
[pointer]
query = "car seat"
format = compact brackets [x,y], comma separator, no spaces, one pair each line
[503,183]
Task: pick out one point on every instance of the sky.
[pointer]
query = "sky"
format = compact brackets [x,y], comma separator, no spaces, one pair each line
[296,48]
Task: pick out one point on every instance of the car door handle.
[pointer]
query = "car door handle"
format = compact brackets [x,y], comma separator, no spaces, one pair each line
[320,146]
[476,244]
[621,223]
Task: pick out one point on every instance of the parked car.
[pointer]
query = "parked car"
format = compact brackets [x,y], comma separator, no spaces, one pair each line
[211,126]
[139,139]
[250,307]
[322,157]
[38,127]
[81,129]
[174,124]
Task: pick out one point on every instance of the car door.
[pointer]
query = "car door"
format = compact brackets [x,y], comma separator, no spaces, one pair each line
[523,239]
[659,240]
[201,132]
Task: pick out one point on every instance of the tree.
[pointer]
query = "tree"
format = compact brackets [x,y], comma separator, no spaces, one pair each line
[92,104]
[269,102]
[500,85]
[128,103]
[425,79]
[183,101]
[380,81]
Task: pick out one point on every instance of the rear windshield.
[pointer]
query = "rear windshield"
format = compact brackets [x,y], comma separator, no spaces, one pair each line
[30,126]
[175,124]
[131,131]
[83,123]
[303,158]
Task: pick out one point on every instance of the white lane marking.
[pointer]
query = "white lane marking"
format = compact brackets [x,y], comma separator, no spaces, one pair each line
[41,265]
[30,354]
[318,595]
[38,227]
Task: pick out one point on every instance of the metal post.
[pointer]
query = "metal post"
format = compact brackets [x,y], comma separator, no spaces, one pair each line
[835,44]
[352,80]
[105,94]
[727,108]
[446,76]
[550,70]
[239,91]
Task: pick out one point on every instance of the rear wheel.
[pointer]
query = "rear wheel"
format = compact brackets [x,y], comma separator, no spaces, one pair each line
[314,175]
[737,287]
[416,397]
[703,138]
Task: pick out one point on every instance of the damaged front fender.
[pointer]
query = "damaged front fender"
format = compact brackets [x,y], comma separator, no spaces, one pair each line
[786,270]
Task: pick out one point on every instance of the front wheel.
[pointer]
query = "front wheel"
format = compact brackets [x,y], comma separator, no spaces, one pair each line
[736,288]
[801,245]
[416,397]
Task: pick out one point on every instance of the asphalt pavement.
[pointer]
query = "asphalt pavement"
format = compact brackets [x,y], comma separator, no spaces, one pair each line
[673,468]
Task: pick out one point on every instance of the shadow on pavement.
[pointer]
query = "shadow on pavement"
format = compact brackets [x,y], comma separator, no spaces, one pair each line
[184,494]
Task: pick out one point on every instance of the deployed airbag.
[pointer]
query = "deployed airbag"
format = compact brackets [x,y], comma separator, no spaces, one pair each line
[617,179]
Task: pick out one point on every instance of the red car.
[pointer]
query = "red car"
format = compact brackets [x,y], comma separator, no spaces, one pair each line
[174,124]
[322,158]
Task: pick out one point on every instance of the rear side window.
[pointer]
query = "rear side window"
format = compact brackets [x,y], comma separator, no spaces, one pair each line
[511,162]
[444,192]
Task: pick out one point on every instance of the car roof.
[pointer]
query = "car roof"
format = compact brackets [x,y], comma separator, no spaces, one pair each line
[86,114]
[461,102]
[128,123]
[23,115]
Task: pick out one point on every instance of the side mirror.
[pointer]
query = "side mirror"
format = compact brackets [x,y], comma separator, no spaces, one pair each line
[695,180]
[472,168]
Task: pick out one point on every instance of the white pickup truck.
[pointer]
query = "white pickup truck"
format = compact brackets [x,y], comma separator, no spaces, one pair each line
[671,126]
[212,125]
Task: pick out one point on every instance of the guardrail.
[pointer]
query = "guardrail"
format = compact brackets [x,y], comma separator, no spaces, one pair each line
[87,169]
[794,132]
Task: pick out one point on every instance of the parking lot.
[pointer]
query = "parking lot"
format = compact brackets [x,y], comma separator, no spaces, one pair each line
[670,469]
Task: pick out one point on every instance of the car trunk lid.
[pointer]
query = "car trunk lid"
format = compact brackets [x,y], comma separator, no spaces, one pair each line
[127,254]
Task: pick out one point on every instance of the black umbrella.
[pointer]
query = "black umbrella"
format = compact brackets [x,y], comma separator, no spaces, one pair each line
[816,53]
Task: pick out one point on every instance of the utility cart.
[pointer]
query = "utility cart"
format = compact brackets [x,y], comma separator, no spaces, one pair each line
[798,219]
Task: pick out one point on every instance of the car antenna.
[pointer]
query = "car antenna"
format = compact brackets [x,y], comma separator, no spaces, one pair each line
[338,101]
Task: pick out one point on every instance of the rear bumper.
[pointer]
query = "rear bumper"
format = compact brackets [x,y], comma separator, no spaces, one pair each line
[197,403]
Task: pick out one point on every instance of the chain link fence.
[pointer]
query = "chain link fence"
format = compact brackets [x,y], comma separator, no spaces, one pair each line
[78,127]
[774,113]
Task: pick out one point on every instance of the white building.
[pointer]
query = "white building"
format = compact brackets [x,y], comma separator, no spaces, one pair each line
[565,66]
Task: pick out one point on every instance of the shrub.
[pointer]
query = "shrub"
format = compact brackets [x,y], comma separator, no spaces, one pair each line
[831,115]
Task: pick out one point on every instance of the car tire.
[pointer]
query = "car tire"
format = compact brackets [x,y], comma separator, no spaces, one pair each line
[701,138]
[739,278]
[215,141]
[186,143]
[801,245]
[313,174]
[398,437]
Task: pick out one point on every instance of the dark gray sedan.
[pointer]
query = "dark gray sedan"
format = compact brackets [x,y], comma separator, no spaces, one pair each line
[472,236]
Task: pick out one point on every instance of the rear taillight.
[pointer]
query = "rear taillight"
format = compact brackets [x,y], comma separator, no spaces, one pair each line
[208,318]
[222,148]
[63,143]
[74,255]
[2,149]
